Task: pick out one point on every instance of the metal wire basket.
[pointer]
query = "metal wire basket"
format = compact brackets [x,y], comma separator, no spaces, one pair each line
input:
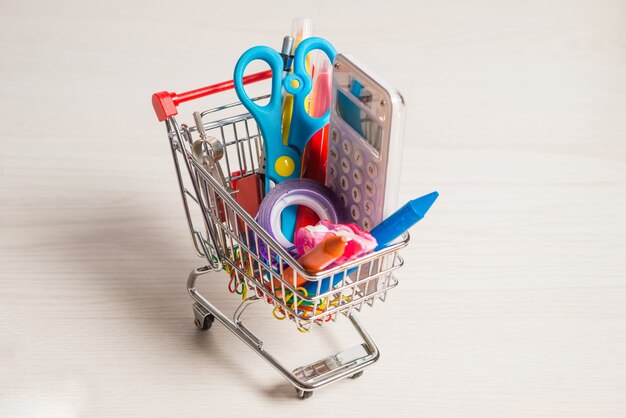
[231,240]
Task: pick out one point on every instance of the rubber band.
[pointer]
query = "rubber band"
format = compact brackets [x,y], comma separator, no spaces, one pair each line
[236,285]
[239,285]
[280,309]
[301,328]
[233,285]
[323,307]
[293,307]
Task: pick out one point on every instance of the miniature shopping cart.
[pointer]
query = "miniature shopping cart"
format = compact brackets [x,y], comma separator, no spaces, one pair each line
[220,147]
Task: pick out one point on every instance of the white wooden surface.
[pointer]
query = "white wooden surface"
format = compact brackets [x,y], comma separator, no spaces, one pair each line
[513,298]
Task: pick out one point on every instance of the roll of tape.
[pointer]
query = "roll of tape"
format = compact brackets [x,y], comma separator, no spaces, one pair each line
[305,192]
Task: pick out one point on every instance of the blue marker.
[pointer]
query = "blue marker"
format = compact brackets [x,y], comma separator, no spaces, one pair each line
[402,219]
[386,232]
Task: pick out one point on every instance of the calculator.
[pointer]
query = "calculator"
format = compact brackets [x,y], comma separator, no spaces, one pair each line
[365,146]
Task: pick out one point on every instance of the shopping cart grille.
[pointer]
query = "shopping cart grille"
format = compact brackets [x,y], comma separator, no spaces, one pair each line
[230,239]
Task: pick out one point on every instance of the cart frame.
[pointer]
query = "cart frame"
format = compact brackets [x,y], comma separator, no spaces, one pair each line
[230,239]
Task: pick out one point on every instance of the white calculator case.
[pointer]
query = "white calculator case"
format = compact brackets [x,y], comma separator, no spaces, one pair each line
[365,142]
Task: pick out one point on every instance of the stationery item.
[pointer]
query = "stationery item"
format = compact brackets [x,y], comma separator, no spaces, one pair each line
[304,192]
[287,110]
[358,242]
[203,151]
[247,194]
[302,28]
[316,151]
[286,52]
[402,219]
[283,162]
[365,146]
[247,191]
[317,258]
[327,252]
[389,230]
[322,85]
[207,151]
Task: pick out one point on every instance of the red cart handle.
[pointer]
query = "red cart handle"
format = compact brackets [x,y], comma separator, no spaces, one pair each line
[165,103]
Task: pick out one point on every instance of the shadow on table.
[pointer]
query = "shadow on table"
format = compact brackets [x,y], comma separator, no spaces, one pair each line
[141,270]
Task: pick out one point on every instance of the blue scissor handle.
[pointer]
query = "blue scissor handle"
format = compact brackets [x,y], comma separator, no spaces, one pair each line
[269,116]
[303,126]
[274,60]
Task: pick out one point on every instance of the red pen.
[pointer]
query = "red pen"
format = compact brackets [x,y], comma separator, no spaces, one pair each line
[316,152]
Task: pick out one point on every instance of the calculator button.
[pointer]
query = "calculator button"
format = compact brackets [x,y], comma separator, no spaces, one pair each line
[344,182]
[332,170]
[368,206]
[345,165]
[370,189]
[357,176]
[334,154]
[356,194]
[355,212]
[344,200]
[367,224]
[347,146]
[372,169]
[359,158]
[335,136]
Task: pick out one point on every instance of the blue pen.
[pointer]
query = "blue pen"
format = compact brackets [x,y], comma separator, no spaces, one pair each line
[386,232]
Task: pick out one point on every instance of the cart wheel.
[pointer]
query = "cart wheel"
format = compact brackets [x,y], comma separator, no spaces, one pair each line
[357,375]
[206,323]
[304,394]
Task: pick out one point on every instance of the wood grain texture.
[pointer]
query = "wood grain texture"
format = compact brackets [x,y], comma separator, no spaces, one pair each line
[513,298]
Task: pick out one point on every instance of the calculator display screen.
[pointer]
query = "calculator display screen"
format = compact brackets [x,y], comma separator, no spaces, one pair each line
[365,124]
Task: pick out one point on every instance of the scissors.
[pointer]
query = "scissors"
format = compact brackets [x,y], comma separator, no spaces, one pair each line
[283,162]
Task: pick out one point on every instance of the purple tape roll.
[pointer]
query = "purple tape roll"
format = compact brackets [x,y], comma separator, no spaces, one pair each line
[306,192]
